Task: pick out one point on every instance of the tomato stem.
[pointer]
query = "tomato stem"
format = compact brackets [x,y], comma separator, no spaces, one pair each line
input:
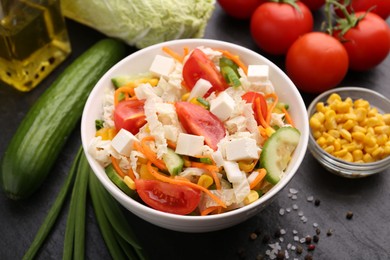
[342,24]
[293,3]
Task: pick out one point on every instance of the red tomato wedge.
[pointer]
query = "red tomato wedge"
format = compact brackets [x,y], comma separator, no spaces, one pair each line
[250,97]
[129,114]
[198,66]
[168,197]
[198,121]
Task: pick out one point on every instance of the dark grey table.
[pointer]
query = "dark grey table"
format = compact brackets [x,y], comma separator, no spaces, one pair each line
[292,216]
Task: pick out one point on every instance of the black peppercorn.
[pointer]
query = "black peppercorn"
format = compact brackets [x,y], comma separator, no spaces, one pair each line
[329,233]
[316,238]
[318,231]
[266,238]
[308,257]
[349,215]
[308,239]
[317,202]
[299,250]
[280,255]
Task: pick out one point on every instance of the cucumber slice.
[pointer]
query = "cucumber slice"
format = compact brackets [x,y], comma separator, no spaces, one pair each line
[118,181]
[277,151]
[173,161]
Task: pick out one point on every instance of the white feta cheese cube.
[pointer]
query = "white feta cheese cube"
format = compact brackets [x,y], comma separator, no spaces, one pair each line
[242,149]
[171,132]
[190,145]
[222,106]
[200,88]
[233,172]
[123,142]
[162,66]
[258,73]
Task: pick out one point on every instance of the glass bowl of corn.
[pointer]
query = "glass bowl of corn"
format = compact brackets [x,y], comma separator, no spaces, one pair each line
[350,131]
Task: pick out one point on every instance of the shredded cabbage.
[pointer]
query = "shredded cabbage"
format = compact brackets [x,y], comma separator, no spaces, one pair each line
[142,23]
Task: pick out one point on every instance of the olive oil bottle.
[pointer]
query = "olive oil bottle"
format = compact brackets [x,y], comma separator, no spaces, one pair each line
[33,41]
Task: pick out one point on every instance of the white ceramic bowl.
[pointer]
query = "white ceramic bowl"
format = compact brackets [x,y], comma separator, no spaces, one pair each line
[139,62]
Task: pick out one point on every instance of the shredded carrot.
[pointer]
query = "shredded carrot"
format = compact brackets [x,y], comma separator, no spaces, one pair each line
[262,172]
[212,169]
[173,54]
[163,178]
[127,90]
[234,58]
[151,155]
[262,131]
[210,210]
[287,116]
[171,144]
[259,113]
[131,174]
[116,166]
[273,105]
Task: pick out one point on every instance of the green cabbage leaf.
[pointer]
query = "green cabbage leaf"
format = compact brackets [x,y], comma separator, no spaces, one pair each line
[142,23]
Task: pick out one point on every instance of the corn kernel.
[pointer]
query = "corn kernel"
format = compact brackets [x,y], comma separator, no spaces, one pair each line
[316,134]
[315,124]
[320,107]
[358,136]
[373,121]
[350,147]
[358,128]
[252,197]
[346,135]
[369,141]
[357,155]
[349,124]
[342,107]
[350,116]
[361,103]
[367,158]
[337,145]
[332,98]
[340,153]
[329,149]
[360,113]
[377,153]
[129,182]
[381,139]
[321,141]
[348,157]
[247,166]
[269,131]
[330,139]
[205,181]
[370,149]
[185,96]
[386,118]
[319,116]
[334,133]
[372,112]
[383,129]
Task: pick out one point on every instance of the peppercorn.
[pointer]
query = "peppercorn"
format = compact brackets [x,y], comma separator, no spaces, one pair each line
[260,257]
[277,233]
[329,233]
[311,247]
[316,238]
[349,215]
[308,239]
[318,231]
[241,253]
[308,257]
[317,202]
[266,238]
[280,255]
[299,249]
[253,236]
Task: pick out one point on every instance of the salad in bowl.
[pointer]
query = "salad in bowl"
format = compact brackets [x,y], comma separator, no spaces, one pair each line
[197,130]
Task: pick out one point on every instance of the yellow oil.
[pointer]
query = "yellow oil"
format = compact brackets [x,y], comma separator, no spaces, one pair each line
[33,41]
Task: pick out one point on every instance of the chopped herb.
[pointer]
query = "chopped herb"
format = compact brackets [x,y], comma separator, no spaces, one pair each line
[98,124]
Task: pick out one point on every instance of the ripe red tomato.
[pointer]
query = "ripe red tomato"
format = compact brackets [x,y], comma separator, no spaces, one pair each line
[240,9]
[250,97]
[129,114]
[168,197]
[379,7]
[316,62]
[368,43]
[198,121]
[275,26]
[197,66]
[313,4]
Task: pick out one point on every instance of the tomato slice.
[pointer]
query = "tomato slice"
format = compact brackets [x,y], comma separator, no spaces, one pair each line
[250,97]
[129,114]
[168,197]
[198,121]
[198,66]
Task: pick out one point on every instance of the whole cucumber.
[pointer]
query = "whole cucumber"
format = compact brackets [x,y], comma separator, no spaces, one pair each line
[43,132]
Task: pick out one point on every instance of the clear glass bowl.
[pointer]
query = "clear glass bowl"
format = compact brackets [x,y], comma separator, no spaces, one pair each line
[339,166]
